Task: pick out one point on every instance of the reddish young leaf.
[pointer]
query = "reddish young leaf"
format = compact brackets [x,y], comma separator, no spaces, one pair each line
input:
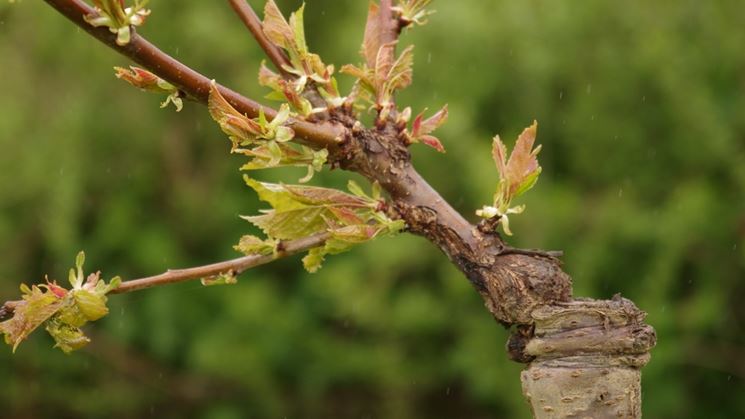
[433,142]
[522,166]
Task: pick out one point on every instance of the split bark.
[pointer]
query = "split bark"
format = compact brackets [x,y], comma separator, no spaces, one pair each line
[584,359]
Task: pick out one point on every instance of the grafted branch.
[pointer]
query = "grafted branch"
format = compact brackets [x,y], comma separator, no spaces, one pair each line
[195,85]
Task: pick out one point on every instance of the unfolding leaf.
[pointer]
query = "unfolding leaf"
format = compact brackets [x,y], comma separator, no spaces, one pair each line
[238,126]
[225,278]
[290,36]
[371,42]
[66,337]
[113,14]
[400,73]
[276,27]
[291,224]
[517,174]
[273,194]
[269,78]
[346,216]
[499,154]
[313,261]
[37,306]
[381,77]
[298,31]
[279,155]
[522,167]
[62,311]
[313,195]
[422,126]
[243,130]
[433,142]
[301,211]
[90,304]
[252,245]
[421,129]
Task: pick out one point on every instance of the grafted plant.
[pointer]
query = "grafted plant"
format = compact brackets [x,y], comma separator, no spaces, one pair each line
[584,356]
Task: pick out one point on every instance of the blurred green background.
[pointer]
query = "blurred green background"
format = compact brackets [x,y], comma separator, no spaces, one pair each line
[641,113]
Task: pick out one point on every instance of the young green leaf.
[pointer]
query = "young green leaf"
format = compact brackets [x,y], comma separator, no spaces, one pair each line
[274,154]
[266,142]
[300,211]
[225,278]
[252,245]
[37,306]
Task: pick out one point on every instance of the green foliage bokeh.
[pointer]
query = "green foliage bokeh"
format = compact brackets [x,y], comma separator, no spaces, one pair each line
[641,116]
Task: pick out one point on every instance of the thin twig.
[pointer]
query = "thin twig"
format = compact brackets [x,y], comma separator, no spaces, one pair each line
[249,18]
[194,84]
[233,266]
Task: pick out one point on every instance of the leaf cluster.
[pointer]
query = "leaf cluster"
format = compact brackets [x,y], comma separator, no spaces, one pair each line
[307,67]
[265,142]
[113,14]
[63,312]
[301,211]
[517,175]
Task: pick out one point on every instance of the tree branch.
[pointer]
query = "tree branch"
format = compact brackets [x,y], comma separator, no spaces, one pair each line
[246,13]
[526,288]
[388,25]
[194,84]
[233,266]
